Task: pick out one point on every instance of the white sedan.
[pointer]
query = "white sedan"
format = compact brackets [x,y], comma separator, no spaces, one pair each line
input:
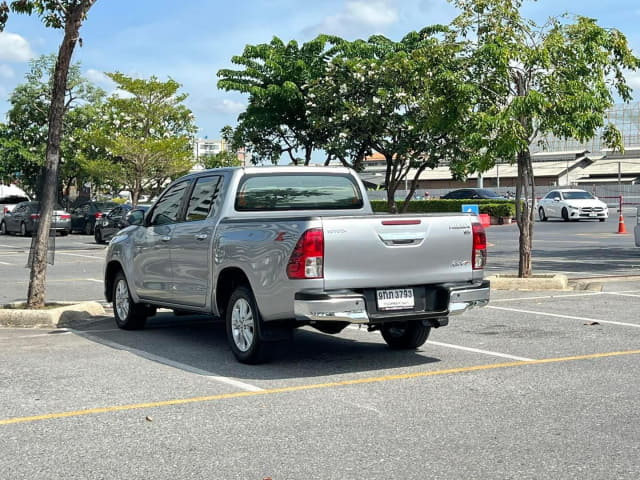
[571,204]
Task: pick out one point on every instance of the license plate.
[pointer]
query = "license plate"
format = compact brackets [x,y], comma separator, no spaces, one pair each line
[593,214]
[395,299]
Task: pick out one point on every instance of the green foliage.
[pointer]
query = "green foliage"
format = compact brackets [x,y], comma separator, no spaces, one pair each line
[503,208]
[408,100]
[53,13]
[145,133]
[221,159]
[24,138]
[533,81]
[276,77]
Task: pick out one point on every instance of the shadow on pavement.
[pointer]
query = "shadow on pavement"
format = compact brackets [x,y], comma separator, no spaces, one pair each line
[198,343]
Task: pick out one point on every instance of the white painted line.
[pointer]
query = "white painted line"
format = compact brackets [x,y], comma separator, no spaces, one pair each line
[5,263]
[93,280]
[78,255]
[165,361]
[543,297]
[584,319]
[61,332]
[477,350]
[621,294]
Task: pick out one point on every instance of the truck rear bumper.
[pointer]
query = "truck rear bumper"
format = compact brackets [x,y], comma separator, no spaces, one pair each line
[355,307]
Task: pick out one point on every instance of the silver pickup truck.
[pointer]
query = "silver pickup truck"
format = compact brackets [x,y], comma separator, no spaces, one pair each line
[269,249]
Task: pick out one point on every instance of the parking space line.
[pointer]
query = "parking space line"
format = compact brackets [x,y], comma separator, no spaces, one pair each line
[315,386]
[543,297]
[477,350]
[165,361]
[621,294]
[557,315]
[79,255]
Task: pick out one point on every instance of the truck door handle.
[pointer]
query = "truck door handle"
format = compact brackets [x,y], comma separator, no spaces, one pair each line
[166,238]
[201,236]
[392,239]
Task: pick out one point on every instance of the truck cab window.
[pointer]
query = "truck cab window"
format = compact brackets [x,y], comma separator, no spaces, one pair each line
[167,210]
[203,198]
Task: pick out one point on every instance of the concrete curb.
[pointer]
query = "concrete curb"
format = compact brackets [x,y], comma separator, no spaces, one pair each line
[535,282]
[12,315]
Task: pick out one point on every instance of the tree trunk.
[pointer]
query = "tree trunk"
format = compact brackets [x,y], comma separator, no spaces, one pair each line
[525,204]
[37,280]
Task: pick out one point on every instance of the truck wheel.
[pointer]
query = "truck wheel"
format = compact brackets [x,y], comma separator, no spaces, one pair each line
[88,230]
[127,314]
[244,327]
[3,228]
[405,335]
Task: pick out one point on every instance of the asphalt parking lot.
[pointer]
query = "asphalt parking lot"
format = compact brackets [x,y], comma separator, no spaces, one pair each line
[536,385]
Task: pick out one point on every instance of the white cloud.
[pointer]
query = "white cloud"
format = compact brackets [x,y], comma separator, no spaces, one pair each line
[14,48]
[633,79]
[224,105]
[6,72]
[358,17]
[100,79]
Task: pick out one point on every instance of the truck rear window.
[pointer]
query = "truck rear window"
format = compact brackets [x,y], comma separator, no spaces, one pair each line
[297,192]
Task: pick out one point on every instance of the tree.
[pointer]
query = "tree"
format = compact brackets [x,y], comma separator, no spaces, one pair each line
[407,100]
[276,76]
[221,159]
[535,81]
[28,123]
[67,15]
[146,132]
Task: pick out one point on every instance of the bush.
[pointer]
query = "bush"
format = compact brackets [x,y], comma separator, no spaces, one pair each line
[500,208]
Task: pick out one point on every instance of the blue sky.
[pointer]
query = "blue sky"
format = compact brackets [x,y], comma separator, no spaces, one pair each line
[191,40]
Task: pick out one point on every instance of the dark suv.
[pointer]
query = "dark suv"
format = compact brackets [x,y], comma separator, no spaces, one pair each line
[85,214]
[472,193]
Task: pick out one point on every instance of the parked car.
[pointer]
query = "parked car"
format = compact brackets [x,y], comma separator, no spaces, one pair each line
[472,194]
[571,204]
[85,214]
[269,249]
[24,218]
[117,219]
[10,196]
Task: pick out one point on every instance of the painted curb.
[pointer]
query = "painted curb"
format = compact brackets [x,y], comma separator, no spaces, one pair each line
[10,316]
[535,282]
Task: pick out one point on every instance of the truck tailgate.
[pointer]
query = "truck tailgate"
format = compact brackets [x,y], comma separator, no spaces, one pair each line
[396,250]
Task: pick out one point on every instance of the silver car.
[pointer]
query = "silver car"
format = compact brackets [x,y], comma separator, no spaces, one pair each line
[24,219]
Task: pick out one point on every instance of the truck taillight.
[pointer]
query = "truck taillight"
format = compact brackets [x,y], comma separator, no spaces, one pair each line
[479,252]
[65,217]
[34,216]
[98,215]
[307,258]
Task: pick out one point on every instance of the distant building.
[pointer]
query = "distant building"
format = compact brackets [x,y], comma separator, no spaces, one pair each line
[557,162]
[203,147]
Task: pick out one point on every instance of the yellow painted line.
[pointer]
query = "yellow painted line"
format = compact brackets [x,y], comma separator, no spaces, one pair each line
[315,386]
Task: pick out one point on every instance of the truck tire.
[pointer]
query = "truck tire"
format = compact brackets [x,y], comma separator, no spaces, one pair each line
[244,327]
[127,314]
[405,335]
[3,228]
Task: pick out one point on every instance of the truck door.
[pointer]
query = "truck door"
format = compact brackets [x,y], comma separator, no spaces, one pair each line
[191,245]
[153,277]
